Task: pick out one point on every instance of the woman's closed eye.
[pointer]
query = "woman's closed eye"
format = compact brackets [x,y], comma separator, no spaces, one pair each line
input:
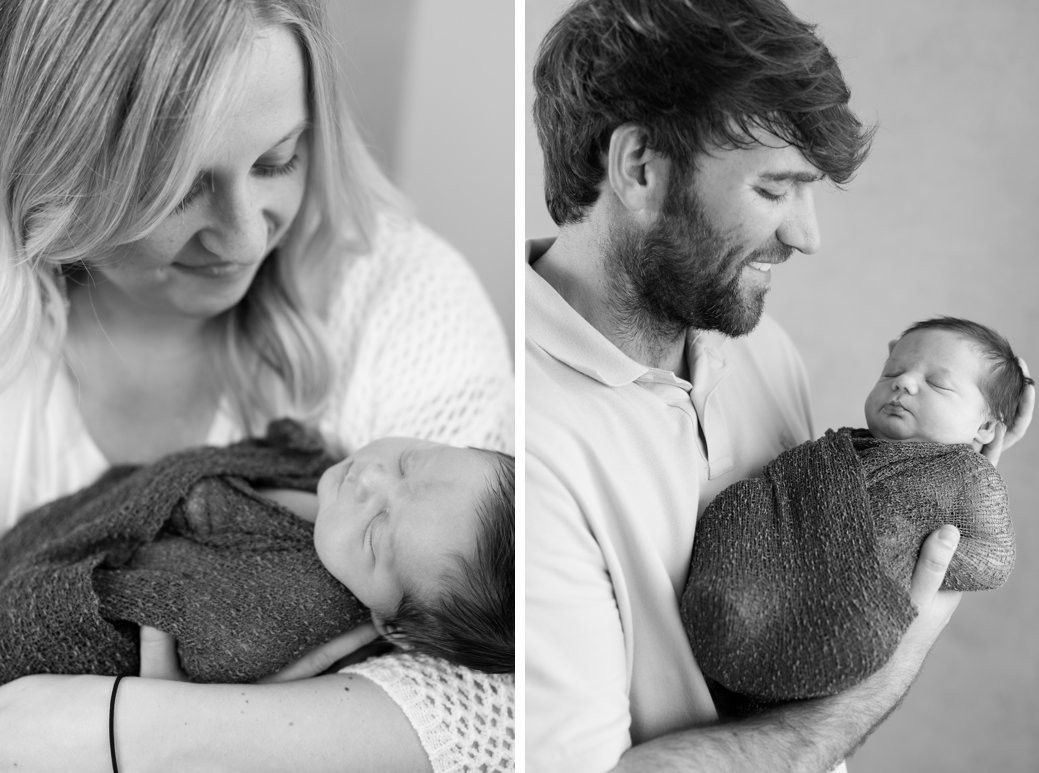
[203,183]
[277,170]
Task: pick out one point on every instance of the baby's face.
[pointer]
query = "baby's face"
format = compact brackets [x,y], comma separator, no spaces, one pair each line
[928,391]
[394,514]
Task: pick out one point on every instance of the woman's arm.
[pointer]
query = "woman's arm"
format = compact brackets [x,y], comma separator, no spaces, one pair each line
[302,503]
[334,723]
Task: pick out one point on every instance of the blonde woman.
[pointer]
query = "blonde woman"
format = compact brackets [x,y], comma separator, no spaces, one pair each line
[192,242]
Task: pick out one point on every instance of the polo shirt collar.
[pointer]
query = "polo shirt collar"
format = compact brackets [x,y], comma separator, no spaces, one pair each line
[557,328]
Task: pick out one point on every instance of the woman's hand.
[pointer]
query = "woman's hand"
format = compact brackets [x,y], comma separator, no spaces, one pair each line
[320,659]
[1006,437]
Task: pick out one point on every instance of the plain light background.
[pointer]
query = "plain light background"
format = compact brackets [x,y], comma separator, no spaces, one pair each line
[940,220]
[431,87]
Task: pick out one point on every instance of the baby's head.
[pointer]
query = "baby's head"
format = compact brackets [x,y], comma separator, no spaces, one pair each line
[946,380]
[423,534]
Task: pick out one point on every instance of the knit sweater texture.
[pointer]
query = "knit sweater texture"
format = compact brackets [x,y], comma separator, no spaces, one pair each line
[184,545]
[799,580]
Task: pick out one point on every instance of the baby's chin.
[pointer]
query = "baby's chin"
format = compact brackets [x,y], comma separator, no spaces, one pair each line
[898,431]
[901,434]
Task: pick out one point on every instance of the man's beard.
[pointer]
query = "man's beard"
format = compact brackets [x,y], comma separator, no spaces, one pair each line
[672,276]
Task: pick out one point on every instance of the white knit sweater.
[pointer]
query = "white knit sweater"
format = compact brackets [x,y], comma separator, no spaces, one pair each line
[420,352]
[465,719]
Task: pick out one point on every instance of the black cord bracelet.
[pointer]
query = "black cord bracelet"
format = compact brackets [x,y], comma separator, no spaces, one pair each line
[111,723]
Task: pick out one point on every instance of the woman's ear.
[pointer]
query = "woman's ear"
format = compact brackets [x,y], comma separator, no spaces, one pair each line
[986,432]
[635,173]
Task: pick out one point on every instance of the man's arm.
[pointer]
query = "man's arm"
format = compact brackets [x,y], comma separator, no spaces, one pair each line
[577,713]
[816,735]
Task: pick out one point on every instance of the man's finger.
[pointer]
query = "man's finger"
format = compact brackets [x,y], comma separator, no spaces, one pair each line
[159,655]
[1024,410]
[994,448]
[934,559]
[319,660]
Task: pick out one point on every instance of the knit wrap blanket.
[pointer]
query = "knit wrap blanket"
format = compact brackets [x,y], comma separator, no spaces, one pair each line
[799,578]
[184,545]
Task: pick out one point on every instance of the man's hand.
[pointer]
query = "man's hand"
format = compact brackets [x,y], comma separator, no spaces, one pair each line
[935,606]
[1006,437]
[320,659]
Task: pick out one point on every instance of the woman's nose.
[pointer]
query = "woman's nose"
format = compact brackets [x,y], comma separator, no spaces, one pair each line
[238,230]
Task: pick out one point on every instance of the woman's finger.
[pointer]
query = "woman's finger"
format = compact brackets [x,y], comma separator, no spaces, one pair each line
[320,659]
[159,655]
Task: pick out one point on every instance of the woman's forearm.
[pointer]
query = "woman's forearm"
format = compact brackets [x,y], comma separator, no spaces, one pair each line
[302,503]
[334,723]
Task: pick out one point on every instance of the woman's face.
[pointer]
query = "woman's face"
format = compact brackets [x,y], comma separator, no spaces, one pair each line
[202,258]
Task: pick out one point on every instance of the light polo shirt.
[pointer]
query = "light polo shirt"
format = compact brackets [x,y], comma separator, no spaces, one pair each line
[620,460]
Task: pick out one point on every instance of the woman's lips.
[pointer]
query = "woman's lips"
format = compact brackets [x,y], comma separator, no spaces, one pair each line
[215,270]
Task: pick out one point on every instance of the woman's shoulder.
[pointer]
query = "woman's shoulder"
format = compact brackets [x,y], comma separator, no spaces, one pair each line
[464,718]
[403,252]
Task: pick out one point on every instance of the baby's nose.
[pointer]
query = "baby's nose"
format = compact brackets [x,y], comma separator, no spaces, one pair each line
[905,383]
[372,479]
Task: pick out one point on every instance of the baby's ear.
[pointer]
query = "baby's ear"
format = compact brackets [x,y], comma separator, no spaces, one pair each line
[986,432]
[380,626]
[388,632]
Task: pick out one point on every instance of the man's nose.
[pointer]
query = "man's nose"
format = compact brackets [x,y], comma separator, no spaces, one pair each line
[800,228]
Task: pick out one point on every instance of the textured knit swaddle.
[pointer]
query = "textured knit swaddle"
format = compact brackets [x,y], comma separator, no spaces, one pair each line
[799,579]
[183,545]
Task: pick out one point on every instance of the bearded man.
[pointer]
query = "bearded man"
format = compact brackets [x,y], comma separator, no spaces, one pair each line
[683,140]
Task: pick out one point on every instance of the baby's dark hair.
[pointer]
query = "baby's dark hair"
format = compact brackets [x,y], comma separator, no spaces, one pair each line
[1004,385]
[471,619]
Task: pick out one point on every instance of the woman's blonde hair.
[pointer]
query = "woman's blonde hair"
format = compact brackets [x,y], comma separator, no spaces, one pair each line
[103,104]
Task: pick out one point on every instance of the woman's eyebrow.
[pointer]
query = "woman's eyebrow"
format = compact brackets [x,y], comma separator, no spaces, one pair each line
[296,130]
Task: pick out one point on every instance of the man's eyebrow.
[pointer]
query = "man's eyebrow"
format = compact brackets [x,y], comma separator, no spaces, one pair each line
[797,177]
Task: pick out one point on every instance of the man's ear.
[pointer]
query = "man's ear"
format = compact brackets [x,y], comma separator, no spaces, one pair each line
[986,432]
[636,174]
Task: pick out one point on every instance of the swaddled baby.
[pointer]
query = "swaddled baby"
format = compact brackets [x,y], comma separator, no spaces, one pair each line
[212,545]
[799,579]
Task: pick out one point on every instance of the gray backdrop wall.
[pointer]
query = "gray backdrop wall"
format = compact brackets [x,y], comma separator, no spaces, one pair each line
[431,83]
[940,220]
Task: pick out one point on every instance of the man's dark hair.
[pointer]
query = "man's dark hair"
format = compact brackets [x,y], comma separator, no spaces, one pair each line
[694,74]
[1005,383]
[470,618]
